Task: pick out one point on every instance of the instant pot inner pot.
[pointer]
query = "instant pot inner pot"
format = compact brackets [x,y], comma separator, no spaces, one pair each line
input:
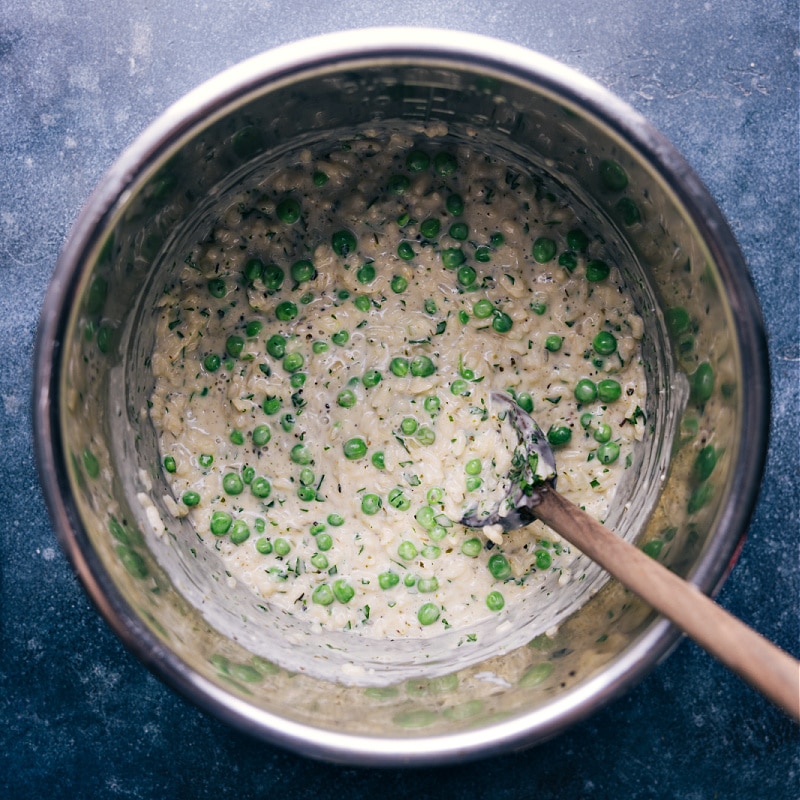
[177,589]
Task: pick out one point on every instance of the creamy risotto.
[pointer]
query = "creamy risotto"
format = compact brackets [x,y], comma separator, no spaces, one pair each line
[323,366]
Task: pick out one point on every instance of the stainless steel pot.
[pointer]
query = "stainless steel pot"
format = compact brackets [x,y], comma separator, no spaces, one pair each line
[97,452]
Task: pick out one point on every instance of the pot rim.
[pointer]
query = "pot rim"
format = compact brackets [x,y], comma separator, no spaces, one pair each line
[213,99]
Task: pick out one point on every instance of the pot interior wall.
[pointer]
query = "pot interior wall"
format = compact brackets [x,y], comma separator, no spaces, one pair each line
[175,588]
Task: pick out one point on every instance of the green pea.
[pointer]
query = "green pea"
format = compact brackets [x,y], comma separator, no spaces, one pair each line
[408,425]
[597,270]
[425,435]
[346,398]
[324,542]
[253,328]
[405,251]
[499,567]
[170,464]
[678,320]
[466,276]
[483,308]
[604,343]
[343,243]
[388,580]
[428,613]
[501,322]
[453,257]
[272,277]
[430,228]
[316,528]
[276,346]
[212,362]
[428,585]
[577,240]
[260,487]
[608,390]
[483,254]
[248,473]
[292,362]
[319,560]
[237,437]
[445,164]
[319,178]
[366,273]
[399,284]
[398,500]
[437,533]
[303,271]
[497,239]
[336,520]
[240,532]
[221,522]
[407,550]
[608,452]
[232,483]
[217,288]
[700,497]
[234,346]
[553,343]
[298,379]
[253,269]
[455,205]
[628,211]
[343,591]
[307,476]
[260,524]
[612,175]
[300,454]
[585,391]
[261,435]
[417,161]
[471,547]
[264,546]
[473,466]
[544,249]
[459,386]
[473,483]
[319,347]
[354,448]
[378,460]
[525,401]
[271,404]
[371,504]
[422,366]
[371,378]
[602,433]
[431,404]
[704,462]
[322,595]
[282,547]
[495,601]
[426,517]
[288,210]
[435,495]
[341,337]
[538,308]
[398,184]
[190,499]
[559,435]
[702,384]
[568,260]
[543,559]
[286,311]
[459,231]
[399,366]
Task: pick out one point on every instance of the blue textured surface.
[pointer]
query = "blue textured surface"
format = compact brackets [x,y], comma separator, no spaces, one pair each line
[78,81]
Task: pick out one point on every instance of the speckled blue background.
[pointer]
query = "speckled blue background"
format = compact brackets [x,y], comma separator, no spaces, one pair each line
[79,79]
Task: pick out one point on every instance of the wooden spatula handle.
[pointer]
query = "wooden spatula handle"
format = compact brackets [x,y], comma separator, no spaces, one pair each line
[762,664]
